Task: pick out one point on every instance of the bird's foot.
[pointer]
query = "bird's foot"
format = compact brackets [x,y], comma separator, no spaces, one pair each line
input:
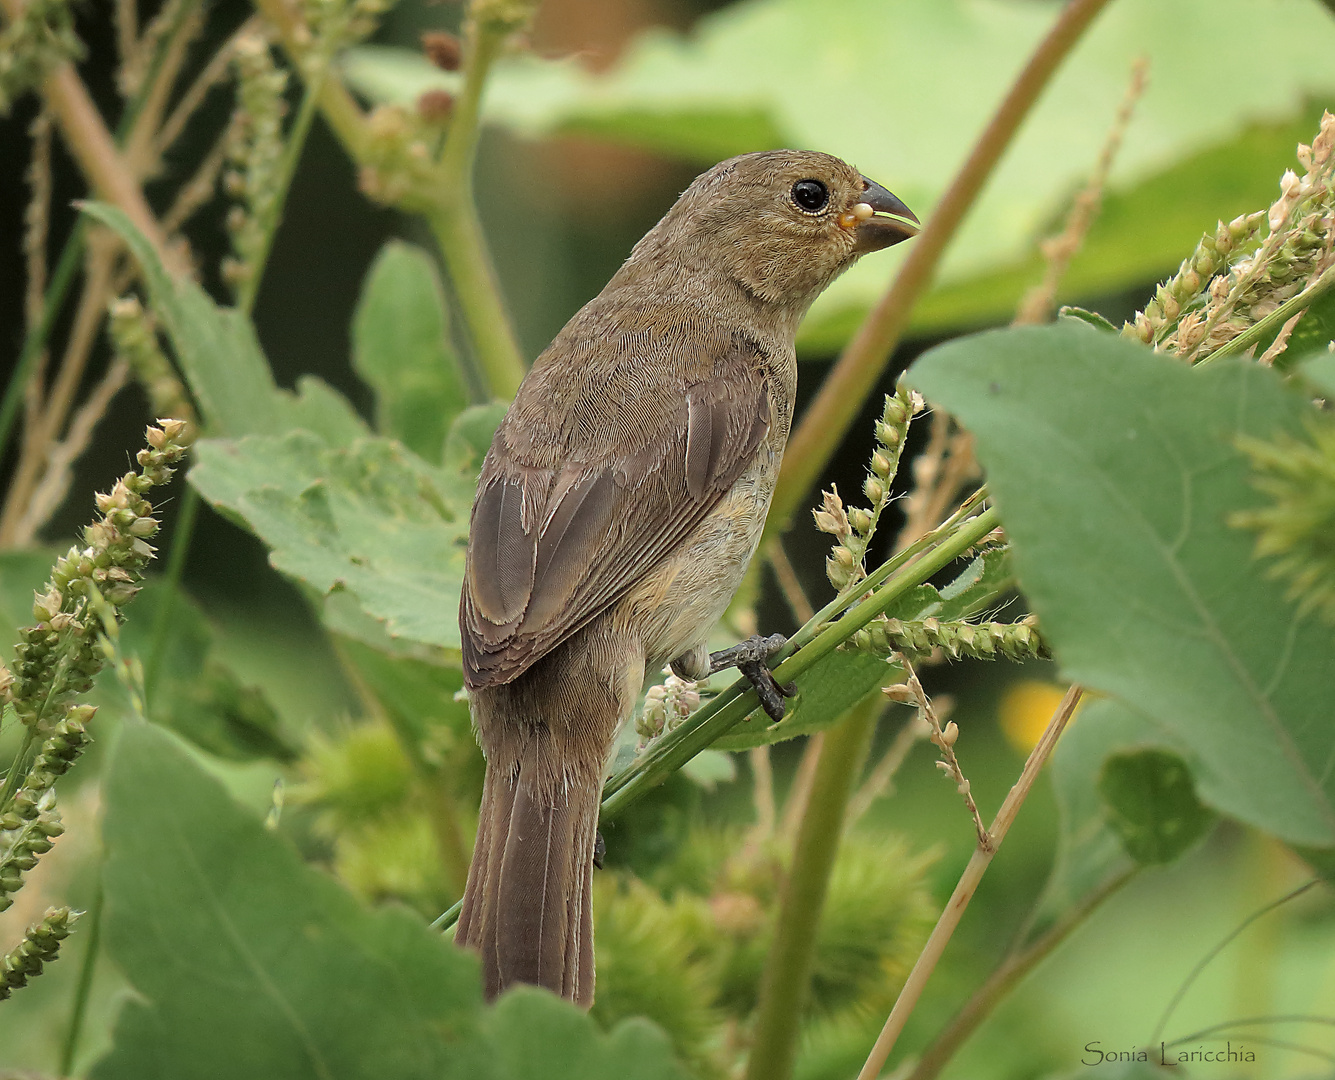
[749,658]
[599,849]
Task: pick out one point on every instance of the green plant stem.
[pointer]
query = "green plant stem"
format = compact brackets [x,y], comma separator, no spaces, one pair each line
[85,985]
[1270,325]
[455,225]
[464,249]
[785,982]
[863,361]
[1008,976]
[18,769]
[966,887]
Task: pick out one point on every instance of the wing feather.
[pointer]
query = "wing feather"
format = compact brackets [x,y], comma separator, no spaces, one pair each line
[610,511]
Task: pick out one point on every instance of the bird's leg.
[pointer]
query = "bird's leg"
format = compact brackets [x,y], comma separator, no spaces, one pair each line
[749,658]
[599,849]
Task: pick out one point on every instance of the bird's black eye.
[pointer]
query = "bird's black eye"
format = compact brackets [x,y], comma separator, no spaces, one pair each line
[810,195]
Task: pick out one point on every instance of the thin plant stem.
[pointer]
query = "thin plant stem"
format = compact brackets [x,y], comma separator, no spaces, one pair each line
[789,584]
[1008,976]
[455,225]
[83,334]
[787,976]
[84,987]
[1058,251]
[847,385]
[194,96]
[18,769]
[1209,957]
[880,779]
[967,885]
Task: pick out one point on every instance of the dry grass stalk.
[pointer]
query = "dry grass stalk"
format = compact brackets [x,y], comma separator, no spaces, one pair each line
[1058,251]
[944,739]
[60,459]
[36,222]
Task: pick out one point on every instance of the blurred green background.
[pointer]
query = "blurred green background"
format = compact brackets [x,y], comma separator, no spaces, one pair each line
[582,159]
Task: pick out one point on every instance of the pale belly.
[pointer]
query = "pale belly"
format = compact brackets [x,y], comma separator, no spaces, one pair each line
[677,605]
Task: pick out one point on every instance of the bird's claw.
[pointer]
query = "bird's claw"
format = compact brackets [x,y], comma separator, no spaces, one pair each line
[749,658]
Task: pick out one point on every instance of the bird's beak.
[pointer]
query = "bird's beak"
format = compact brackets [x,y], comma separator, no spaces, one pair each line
[873,231]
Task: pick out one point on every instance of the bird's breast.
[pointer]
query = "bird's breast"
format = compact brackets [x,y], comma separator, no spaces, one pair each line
[676,605]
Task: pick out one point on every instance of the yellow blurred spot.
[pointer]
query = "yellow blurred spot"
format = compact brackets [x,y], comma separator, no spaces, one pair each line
[1026,708]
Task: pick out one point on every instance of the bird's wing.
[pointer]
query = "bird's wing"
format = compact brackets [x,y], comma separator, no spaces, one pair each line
[552,546]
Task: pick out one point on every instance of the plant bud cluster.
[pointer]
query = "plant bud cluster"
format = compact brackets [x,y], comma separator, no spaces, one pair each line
[40,945]
[666,705]
[38,39]
[254,154]
[31,823]
[1176,295]
[956,639]
[854,527]
[57,657]
[134,338]
[1227,286]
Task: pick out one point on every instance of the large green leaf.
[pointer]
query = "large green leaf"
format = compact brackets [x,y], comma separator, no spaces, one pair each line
[248,963]
[400,346]
[1115,472]
[871,86]
[221,359]
[370,518]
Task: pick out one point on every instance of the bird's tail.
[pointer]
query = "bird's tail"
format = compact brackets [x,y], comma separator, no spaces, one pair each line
[528,905]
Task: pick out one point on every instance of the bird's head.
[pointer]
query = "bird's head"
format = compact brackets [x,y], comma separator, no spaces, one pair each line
[782,223]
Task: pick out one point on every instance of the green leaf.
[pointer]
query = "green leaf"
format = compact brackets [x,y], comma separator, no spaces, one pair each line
[1088,851]
[1319,371]
[742,80]
[246,962]
[1115,472]
[1152,805]
[370,518]
[195,693]
[1089,318]
[400,346]
[221,359]
[470,436]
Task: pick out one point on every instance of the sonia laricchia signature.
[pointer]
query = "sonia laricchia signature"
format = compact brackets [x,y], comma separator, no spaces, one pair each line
[1165,1054]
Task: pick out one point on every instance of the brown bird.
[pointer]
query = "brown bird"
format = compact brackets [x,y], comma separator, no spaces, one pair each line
[621,500]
